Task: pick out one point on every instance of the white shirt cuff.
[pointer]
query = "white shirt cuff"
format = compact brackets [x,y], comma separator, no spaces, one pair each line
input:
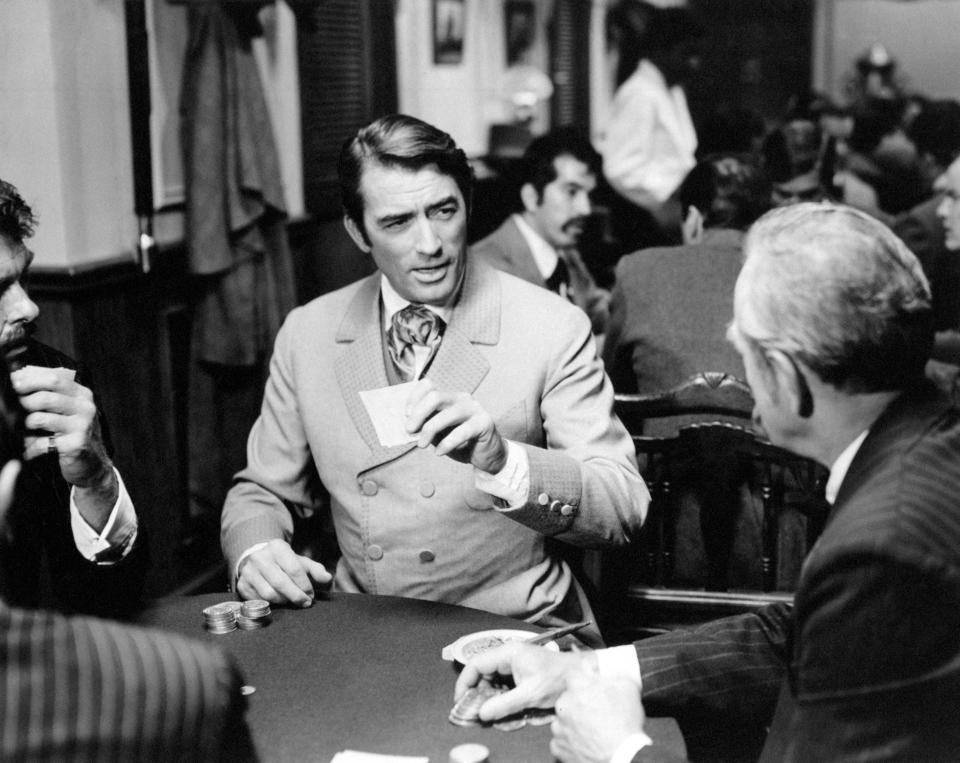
[117,535]
[619,662]
[630,747]
[512,483]
[243,558]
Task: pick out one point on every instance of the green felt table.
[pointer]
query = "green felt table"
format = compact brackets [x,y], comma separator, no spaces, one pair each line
[362,672]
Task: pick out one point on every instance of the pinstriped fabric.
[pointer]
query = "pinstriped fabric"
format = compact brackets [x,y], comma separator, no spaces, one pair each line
[870,655]
[720,681]
[89,690]
[721,656]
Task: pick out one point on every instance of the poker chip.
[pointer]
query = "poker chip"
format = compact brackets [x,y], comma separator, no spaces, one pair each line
[469,753]
[255,609]
[228,616]
[456,721]
[466,711]
[251,623]
[219,611]
[539,717]
[510,724]
[220,618]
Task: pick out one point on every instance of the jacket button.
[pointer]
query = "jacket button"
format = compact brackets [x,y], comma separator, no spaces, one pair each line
[566,509]
[427,556]
[375,552]
[370,487]
[555,506]
[427,489]
[543,499]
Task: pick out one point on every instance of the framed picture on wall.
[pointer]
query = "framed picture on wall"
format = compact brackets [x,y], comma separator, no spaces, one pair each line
[519,18]
[448,31]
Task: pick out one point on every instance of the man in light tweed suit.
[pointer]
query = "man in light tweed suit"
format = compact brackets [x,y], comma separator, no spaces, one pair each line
[82,689]
[832,315]
[507,436]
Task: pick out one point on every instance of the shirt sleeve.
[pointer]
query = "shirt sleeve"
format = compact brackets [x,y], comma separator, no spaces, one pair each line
[512,483]
[243,557]
[619,662]
[118,535]
[630,747]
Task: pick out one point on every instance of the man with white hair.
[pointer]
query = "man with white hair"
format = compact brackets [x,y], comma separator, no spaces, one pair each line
[832,318]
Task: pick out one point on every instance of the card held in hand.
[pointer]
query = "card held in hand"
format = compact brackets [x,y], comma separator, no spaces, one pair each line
[387,408]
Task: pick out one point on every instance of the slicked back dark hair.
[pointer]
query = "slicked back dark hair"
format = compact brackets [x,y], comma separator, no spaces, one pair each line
[403,142]
[536,166]
[730,189]
[17,220]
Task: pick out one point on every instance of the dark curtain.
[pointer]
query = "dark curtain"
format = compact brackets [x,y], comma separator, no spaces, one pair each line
[238,252]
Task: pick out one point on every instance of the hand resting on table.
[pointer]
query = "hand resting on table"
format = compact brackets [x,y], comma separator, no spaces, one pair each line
[279,575]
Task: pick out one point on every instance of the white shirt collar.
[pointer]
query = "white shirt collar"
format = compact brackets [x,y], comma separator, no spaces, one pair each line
[544,255]
[394,303]
[840,467]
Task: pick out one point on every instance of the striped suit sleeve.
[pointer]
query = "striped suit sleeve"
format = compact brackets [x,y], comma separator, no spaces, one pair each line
[720,680]
[85,689]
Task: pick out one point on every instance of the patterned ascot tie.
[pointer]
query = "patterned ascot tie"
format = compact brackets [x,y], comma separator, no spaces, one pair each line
[413,325]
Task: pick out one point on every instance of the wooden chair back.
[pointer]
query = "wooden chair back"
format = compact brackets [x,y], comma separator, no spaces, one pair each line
[731,515]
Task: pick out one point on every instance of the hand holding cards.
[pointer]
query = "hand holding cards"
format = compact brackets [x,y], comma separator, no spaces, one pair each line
[454,422]
[61,417]
[539,676]
[62,422]
[466,710]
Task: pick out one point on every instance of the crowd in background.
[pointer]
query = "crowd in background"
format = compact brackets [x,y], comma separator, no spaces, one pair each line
[883,149]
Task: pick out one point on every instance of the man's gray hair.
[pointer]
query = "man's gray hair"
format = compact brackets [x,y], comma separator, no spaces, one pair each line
[835,289]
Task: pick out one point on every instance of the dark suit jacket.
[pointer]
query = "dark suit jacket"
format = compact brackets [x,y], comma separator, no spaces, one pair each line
[84,689]
[39,560]
[507,250]
[669,312]
[867,664]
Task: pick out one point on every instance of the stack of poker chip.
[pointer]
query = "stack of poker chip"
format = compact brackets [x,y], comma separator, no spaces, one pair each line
[466,711]
[221,618]
[253,614]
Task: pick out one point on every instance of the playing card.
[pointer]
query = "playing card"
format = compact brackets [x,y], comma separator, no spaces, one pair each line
[387,408]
